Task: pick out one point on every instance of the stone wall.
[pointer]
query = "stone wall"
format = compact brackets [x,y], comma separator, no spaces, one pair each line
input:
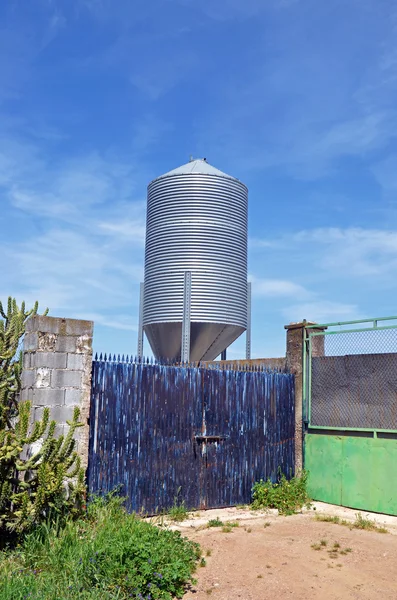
[57,372]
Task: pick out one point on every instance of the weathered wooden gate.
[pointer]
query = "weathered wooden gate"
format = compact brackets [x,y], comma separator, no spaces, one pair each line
[199,435]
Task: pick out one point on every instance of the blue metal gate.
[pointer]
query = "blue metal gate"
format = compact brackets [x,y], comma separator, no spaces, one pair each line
[200,435]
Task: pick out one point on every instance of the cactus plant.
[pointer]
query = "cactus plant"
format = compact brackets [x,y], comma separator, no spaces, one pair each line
[35,484]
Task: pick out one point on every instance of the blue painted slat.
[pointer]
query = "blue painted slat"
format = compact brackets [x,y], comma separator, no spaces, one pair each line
[145,418]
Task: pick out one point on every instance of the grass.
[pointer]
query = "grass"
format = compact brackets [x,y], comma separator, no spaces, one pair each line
[287,496]
[229,526]
[359,523]
[178,512]
[215,523]
[333,552]
[107,555]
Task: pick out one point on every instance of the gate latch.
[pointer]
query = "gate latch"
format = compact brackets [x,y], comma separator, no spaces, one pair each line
[210,438]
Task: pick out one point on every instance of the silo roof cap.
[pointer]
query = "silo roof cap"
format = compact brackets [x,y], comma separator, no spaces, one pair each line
[197,166]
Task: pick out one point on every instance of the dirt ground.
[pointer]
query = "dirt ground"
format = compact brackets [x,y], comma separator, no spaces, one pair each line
[256,561]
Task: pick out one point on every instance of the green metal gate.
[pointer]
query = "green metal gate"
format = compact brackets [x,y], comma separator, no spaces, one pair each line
[350,413]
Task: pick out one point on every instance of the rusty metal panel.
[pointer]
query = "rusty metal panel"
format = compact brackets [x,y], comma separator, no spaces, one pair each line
[201,435]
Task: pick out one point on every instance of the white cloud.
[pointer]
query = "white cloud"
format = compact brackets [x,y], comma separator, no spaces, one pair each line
[337,252]
[83,250]
[354,251]
[385,172]
[321,311]
[274,288]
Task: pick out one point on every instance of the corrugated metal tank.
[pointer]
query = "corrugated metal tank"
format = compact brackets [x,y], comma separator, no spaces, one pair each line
[196,221]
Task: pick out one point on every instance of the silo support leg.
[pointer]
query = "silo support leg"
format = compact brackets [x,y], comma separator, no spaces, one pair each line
[248,335]
[140,322]
[187,294]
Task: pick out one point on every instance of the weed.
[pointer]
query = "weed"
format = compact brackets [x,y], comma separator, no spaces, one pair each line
[287,496]
[259,576]
[209,552]
[327,518]
[267,524]
[316,546]
[215,523]
[333,554]
[229,526]
[208,592]
[178,512]
[339,565]
[268,566]
[336,545]
[361,523]
[203,562]
[108,554]
[248,530]
[323,542]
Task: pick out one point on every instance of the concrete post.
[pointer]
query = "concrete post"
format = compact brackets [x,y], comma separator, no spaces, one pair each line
[57,366]
[294,363]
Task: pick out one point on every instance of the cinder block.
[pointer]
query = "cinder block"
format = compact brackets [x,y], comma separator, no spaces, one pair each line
[73,397]
[43,378]
[64,379]
[84,344]
[79,327]
[27,360]
[61,414]
[47,341]
[66,343]
[48,397]
[75,361]
[30,341]
[28,378]
[50,360]
[26,394]
[46,325]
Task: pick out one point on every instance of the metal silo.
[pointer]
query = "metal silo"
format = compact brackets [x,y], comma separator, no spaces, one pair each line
[196,223]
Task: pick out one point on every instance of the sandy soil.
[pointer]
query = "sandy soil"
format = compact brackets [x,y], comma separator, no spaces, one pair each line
[259,562]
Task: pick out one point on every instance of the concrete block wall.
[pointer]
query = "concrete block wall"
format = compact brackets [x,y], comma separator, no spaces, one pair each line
[57,372]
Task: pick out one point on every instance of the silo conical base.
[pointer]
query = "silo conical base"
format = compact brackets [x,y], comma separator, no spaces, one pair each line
[207,340]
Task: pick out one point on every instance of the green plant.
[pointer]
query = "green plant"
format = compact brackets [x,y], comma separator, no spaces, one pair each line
[229,526]
[215,523]
[361,523]
[209,552]
[327,519]
[316,546]
[203,562]
[178,512]
[107,555]
[287,496]
[323,542]
[35,485]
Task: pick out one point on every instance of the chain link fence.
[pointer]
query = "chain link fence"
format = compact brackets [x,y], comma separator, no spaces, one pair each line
[354,379]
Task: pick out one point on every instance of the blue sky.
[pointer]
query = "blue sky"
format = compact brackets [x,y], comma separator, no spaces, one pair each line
[297,98]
